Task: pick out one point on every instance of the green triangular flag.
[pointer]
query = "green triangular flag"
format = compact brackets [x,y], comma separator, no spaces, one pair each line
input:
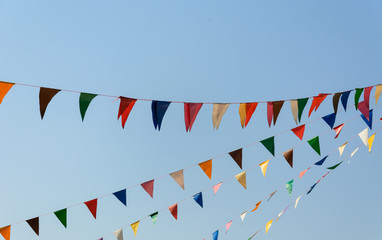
[85,99]
[269,144]
[154,217]
[315,144]
[334,167]
[289,186]
[301,103]
[61,215]
[358,92]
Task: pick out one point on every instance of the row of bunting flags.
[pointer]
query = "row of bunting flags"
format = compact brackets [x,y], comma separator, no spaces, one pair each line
[191,110]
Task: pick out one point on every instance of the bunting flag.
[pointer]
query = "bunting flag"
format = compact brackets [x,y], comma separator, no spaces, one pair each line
[256,207]
[336,99]
[178,177]
[299,131]
[301,105]
[61,215]
[342,148]
[154,217]
[121,196]
[364,135]
[297,200]
[344,99]
[317,102]
[319,163]
[334,166]
[315,144]
[237,155]
[241,178]
[207,167]
[174,210]
[311,188]
[254,234]
[135,226]
[276,110]
[268,225]
[271,195]
[289,186]
[149,187]
[364,109]
[246,110]
[352,154]
[242,216]
[227,226]
[370,141]
[288,155]
[338,129]
[294,108]
[6,232]
[269,112]
[217,113]
[264,166]
[45,96]
[4,89]
[191,110]
[358,92]
[366,95]
[198,199]
[85,99]
[92,206]
[216,187]
[378,90]
[370,121]
[279,215]
[34,223]
[119,234]
[125,107]
[330,119]
[303,172]
[158,109]
[215,235]
[269,144]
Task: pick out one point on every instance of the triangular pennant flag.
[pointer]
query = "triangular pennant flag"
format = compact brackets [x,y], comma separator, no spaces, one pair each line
[198,198]
[336,99]
[121,195]
[125,107]
[342,148]
[276,110]
[227,226]
[207,167]
[344,99]
[315,144]
[191,110]
[264,166]
[352,154]
[317,102]
[268,225]
[311,188]
[330,119]
[241,178]
[135,226]
[34,223]
[269,112]
[289,186]
[301,105]
[246,110]
[4,89]
[174,210]
[358,92]
[45,96]
[269,144]
[369,122]
[237,155]
[92,206]
[119,234]
[242,216]
[364,109]
[149,187]
[158,109]
[297,200]
[6,232]
[338,129]
[216,187]
[294,108]
[319,163]
[370,141]
[378,90]
[154,217]
[302,173]
[254,234]
[288,155]
[364,135]
[256,207]
[62,215]
[178,177]
[279,215]
[334,166]
[299,131]
[242,113]
[215,235]
[217,113]
[85,99]
[366,96]
[271,195]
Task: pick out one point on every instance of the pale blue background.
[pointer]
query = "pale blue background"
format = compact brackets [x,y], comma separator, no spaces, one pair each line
[217,51]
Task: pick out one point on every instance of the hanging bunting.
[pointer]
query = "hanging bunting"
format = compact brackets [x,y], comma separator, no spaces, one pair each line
[264,166]
[45,96]
[158,109]
[369,122]
[271,195]
[237,155]
[268,225]
[119,234]
[334,166]
[216,187]
[311,188]
[217,113]
[336,99]
[178,177]
[338,129]
[330,119]
[135,226]
[227,226]
[92,206]
[207,167]
[301,105]
[269,112]
[4,89]
[364,109]
[279,215]
[241,178]
[254,234]
[269,144]
[174,210]
[215,235]
[315,144]
[288,155]
[352,154]
[6,232]
[154,217]
[149,187]
[34,223]
[276,110]
[364,135]
[191,110]
[256,207]
[378,90]
[319,163]
[62,216]
[370,141]
[85,99]
[289,186]
[294,108]
[246,110]
[125,107]
[342,148]
[366,96]
[358,92]
[299,131]
[198,199]
[121,196]
[317,100]
[297,200]
[242,216]
[303,172]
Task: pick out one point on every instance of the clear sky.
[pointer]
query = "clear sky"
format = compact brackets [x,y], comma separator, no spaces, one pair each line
[215,51]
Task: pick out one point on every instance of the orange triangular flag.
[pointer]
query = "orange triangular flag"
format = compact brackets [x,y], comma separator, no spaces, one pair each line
[317,100]
[303,172]
[207,167]
[125,107]
[92,206]
[174,210]
[288,155]
[250,109]
[299,131]
[149,187]
[257,206]
[6,232]
[134,226]
[4,89]
[264,166]
[241,178]
[178,177]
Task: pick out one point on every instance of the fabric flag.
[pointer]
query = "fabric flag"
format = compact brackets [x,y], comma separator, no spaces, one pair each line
[364,135]
[297,200]
[301,105]
[317,100]
[62,216]
[174,210]
[264,166]
[358,92]
[256,207]
[241,178]
[135,226]
[330,119]
[227,226]
[149,187]
[215,235]
[6,232]
[207,167]
[4,89]
[342,148]
[344,99]
[288,155]
[246,110]
[366,96]
[269,144]
[178,177]
[254,234]
[158,109]
[289,186]
[191,110]
[154,217]
[378,90]
[269,112]
[242,216]
[121,196]
[216,187]
[319,163]
[119,234]
[315,144]
[276,110]
[294,108]
[370,141]
[268,225]
[45,96]
[334,166]
[92,206]
[125,107]
[85,99]
[198,199]
[271,195]
[352,154]
[338,129]
[364,109]
[336,99]
[34,223]
[303,172]
[299,131]
[217,113]
[237,155]
[279,215]
[370,121]
[311,188]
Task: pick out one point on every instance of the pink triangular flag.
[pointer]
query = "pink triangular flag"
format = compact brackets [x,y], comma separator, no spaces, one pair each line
[270,112]
[303,172]
[227,226]
[364,109]
[216,187]
[366,95]
[338,129]
[149,187]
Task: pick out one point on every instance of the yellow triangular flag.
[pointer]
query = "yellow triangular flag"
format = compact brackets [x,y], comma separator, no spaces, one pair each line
[378,90]
[6,232]
[218,112]
[297,200]
[364,135]
[269,224]
[342,148]
[134,226]
[294,107]
[242,113]
[119,234]
[264,166]
[370,141]
[241,178]
[178,177]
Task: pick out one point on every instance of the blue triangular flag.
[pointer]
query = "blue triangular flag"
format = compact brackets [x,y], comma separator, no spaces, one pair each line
[330,119]
[311,188]
[370,122]
[198,198]
[344,99]
[215,235]
[319,163]
[158,109]
[121,195]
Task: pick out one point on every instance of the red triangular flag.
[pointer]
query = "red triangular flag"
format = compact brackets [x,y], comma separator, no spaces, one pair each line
[338,129]
[364,109]
[174,210]
[149,187]
[92,206]
[250,107]
[299,131]
[124,108]
[317,100]
[366,95]
[191,110]
[270,112]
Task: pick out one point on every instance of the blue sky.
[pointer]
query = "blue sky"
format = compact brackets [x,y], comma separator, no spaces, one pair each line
[213,51]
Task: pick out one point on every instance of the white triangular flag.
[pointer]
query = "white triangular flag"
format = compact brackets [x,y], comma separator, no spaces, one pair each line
[364,135]
[352,154]
[297,200]
[242,216]
[119,234]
